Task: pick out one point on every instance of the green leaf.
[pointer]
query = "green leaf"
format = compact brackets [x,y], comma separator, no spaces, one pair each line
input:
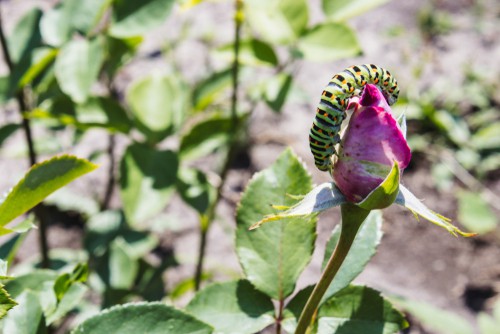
[435,318]
[208,90]
[157,104]
[362,250]
[32,281]
[344,10]
[40,181]
[278,21]
[277,89]
[148,179]
[321,198]
[385,194]
[252,52]
[6,302]
[294,309]
[359,309]
[206,136]
[7,130]
[59,23]
[195,189]
[103,112]
[274,256]
[25,37]
[151,318]
[77,67]
[119,52]
[64,282]
[487,137]
[132,18]
[71,299]
[329,42]
[233,306]
[475,214]
[123,267]
[408,200]
[42,58]
[26,317]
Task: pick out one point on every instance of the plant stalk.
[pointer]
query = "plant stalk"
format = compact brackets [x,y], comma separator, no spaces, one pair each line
[207,219]
[352,218]
[39,210]
[110,185]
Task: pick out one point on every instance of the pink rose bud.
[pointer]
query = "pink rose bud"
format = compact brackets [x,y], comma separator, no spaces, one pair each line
[371,143]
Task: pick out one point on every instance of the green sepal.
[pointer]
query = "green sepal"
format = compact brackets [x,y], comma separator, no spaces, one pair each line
[385,194]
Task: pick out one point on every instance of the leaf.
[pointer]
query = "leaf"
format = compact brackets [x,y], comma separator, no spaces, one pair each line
[252,52]
[151,318]
[64,282]
[408,200]
[132,18]
[329,42]
[71,299]
[103,112]
[277,91]
[123,267]
[385,194]
[61,22]
[273,256]
[119,52]
[6,302]
[278,21]
[487,137]
[435,318]
[233,306]
[344,10]
[147,181]
[362,250]
[294,308]
[32,281]
[7,130]
[25,37]
[321,198]
[206,136]
[40,181]
[209,89]
[77,67]
[359,309]
[42,58]
[26,317]
[156,103]
[195,189]
[475,214]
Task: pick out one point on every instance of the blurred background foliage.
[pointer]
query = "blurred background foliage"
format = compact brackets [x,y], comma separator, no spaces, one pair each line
[83,74]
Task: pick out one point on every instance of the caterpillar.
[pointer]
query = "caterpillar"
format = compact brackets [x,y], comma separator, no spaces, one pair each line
[331,110]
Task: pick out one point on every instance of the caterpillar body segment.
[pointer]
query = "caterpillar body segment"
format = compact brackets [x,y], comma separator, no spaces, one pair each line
[331,110]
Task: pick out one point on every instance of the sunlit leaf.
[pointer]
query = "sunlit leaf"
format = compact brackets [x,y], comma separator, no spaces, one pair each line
[6,302]
[278,21]
[274,255]
[359,309]
[26,317]
[148,179]
[436,318]
[132,18]
[344,10]
[233,306]
[208,90]
[329,42]
[142,318]
[40,181]
[77,67]
[157,104]
[475,214]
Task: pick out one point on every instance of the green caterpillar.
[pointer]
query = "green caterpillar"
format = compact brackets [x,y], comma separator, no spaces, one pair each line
[331,111]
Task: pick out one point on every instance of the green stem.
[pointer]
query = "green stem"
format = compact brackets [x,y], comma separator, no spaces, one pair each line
[352,218]
[206,220]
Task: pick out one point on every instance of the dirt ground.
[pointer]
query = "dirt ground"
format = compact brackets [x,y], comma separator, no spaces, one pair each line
[415,259]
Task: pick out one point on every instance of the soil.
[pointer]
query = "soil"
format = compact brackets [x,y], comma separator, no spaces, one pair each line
[415,259]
